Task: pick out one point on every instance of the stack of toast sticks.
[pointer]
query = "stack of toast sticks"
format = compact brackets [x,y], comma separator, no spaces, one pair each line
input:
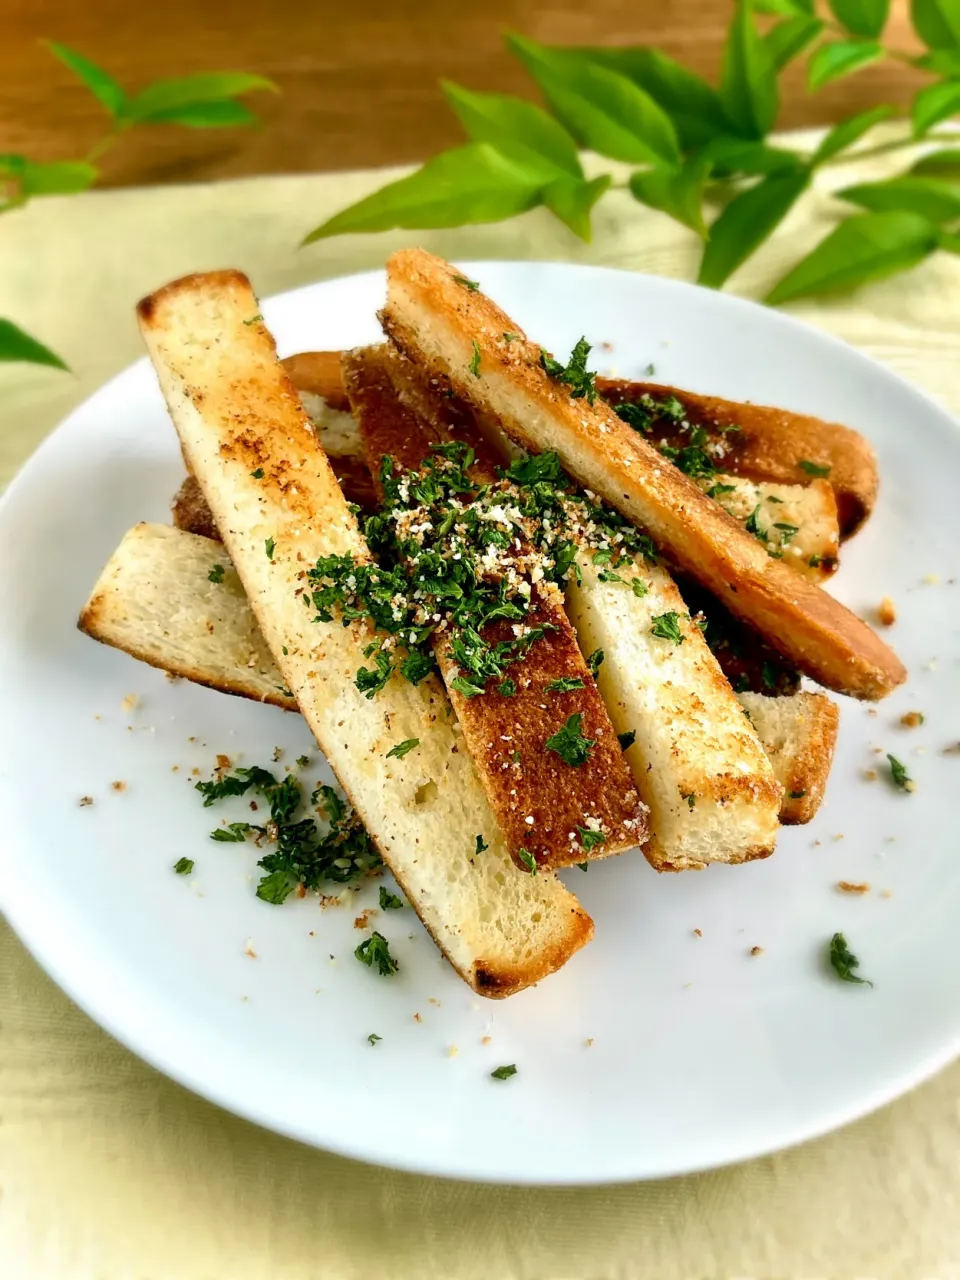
[647,697]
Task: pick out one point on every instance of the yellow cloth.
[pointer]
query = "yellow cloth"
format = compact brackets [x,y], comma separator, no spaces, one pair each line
[108,1171]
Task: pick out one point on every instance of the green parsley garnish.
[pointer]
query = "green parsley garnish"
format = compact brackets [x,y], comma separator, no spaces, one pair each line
[768,673]
[639,588]
[504,1073]
[234,833]
[389,901]
[258,474]
[299,852]
[650,370]
[813,469]
[472,285]
[370,682]
[691,800]
[844,961]
[465,687]
[215,574]
[815,561]
[566,684]
[183,866]
[269,546]
[474,365]
[372,1038]
[401,749]
[375,951]
[303,762]
[627,739]
[590,839]
[899,774]
[788,531]
[570,744]
[507,688]
[667,627]
[511,337]
[574,373]
[718,490]
[482,845]
[254,319]
[584,866]
[751,526]
[528,860]
[595,662]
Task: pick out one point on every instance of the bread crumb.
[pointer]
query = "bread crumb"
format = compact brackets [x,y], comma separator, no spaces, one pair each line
[434,1000]
[249,951]
[887,612]
[931,580]
[85,801]
[886,893]
[838,836]
[872,711]
[486,1040]
[452,1051]
[277,754]
[698,933]
[817,844]
[118,785]
[952,750]
[850,886]
[756,951]
[224,762]
[174,768]
[194,772]
[417,1018]
[588,1043]
[912,719]
[171,677]
[363,919]
[870,775]
[130,703]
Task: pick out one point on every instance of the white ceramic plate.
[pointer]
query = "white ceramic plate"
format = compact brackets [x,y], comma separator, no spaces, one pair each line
[654,1051]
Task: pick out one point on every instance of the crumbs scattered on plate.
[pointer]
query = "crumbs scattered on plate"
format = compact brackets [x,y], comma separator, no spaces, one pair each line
[85,801]
[852,886]
[119,785]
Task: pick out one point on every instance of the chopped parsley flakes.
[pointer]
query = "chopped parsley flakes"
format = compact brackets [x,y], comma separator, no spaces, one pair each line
[401,749]
[566,684]
[901,778]
[582,384]
[373,1038]
[183,866]
[257,319]
[299,853]
[471,285]
[215,574]
[667,627]
[627,739]
[482,845]
[374,952]
[389,901]
[269,546]
[504,1073]
[507,688]
[258,474]
[844,961]
[813,469]
[474,365]
[570,744]
[528,860]
[595,662]
[590,839]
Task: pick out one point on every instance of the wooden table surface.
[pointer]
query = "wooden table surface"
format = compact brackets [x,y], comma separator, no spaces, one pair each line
[358,78]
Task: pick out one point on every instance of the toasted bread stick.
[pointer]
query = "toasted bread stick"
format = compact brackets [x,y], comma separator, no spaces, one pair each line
[539,801]
[237,413]
[769,444]
[799,735]
[443,327]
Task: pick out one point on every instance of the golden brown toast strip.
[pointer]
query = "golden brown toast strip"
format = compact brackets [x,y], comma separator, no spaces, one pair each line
[770,444]
[279,508]
[451,331]
[155,601]
[539,801]
[799,735]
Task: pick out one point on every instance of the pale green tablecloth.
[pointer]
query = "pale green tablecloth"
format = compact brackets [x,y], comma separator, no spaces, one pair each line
[110,1172]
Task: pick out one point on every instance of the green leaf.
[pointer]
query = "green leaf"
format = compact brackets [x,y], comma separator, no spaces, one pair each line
[937,23]
[930,197]
[692,104]
[742,156]
[861,17]
[867,247]
[935,103]
[103,86]
[748,83]
[942,62]
[188,91]
[848,132]
[18,347]
[841,58]
[941,164]
[516,128]
[787,40]
[602,108]
[204,115]
[950,241]
[61,177]
[746,222]
[471,184]
[678,193]
[784,8]
[572,199]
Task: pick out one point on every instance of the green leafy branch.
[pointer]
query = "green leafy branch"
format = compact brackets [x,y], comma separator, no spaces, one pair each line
[696,145]
[208,100]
